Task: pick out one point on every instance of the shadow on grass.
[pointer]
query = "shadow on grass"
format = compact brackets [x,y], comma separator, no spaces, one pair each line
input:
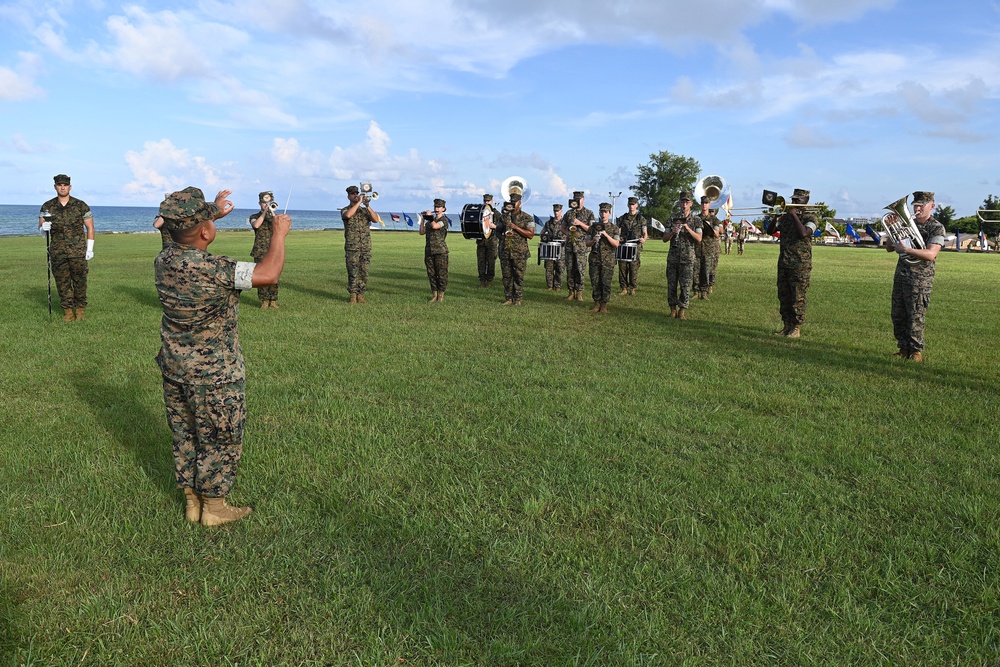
[144,297]
[312,291]
[9,652]
[122,413]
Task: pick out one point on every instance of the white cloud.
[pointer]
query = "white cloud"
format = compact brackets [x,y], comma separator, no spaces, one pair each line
[19,84]
[162,167]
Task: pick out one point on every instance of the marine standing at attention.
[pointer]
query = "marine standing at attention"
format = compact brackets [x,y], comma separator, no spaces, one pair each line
[200,356]
[70,224]
[577,224]
[633,226]
[358,217]
[602,240]
[487,249]
[517,227]
[683,233]
[552,232]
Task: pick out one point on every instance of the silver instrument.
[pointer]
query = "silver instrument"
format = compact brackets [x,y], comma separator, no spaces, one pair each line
[515,185]
[901,228]
[367,192]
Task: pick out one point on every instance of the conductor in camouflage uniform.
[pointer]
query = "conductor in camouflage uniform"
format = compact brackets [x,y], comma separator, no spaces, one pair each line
[634,227]
[358,217]
[553,232]
[683,234]
[794,262]
[911,285]
[263,229]
[434,229]
[516,228]
[577,224]
[200,356]
[741,237]
[487,249]
[707,252]
[70,226]
[602,240]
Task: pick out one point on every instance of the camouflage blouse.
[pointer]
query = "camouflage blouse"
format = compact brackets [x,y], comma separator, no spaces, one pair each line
[515,245]
[357,229]
[577,240]
[632,226]
[682,246]
[436,239]
[794,252]
[68,237]
[200,295]
[603,252]
[921,275]
[262,238]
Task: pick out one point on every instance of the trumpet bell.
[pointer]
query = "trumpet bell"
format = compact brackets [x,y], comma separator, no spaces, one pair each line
[368,191]
[515,185]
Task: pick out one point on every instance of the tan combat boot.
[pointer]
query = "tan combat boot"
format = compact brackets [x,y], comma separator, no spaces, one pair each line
[682,313]
[571,296]
[274,304]
[192,505]
[902,354]
[79,315]
[783,331]
[604,307]
[434,300]
[361,298]
[673,311]
[440,297]
[68,315]
[623,292]
[353,299]
[264,305]
[916,355]
[508,302]
[596,308]
[793,332]
[215,512]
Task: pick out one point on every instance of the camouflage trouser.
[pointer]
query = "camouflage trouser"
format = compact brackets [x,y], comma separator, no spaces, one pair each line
[711,262]
[909,305]
[267,292]
[574,270]
[358,261]
[739,246]
[512,270]
[207,425]
[554,270]
[699,282]
[486,258]
[71,280]
[792,286]
[600,280]
[628,273]
[679,279]
[729,244]
[437,271]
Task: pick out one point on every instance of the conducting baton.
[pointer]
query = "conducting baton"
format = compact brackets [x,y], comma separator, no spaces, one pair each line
[48,270]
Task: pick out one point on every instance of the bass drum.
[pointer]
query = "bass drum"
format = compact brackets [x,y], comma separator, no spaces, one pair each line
[474,225]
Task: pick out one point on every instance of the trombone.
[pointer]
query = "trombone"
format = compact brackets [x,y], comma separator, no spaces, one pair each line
[988,215]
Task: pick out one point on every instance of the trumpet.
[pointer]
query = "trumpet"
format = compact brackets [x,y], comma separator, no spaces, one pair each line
[367,192]
[902,230]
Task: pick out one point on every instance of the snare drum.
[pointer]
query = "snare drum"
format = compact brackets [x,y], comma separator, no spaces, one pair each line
[550,250]
[474,221]
[627,252]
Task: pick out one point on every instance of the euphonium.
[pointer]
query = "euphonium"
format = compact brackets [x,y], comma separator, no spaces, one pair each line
[901,228]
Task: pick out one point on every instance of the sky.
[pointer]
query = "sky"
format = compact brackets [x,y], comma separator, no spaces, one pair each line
[859,101]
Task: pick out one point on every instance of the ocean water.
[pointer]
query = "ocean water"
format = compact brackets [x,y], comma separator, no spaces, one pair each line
[17,220]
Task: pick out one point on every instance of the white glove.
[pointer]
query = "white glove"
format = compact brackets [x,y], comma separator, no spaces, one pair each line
[90,250]
[46,226]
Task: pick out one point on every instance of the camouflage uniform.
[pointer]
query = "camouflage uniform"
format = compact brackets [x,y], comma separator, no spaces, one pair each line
[727,238]
[487,250]
[514,253]
[911,292]
[436,256]
[741,238]
[202,363]
[632,227]
[554,269]
[680,262]
[602,261]
[357,248]
[67,249]
[261,244]
[576,247]
[707,254]
[794,267]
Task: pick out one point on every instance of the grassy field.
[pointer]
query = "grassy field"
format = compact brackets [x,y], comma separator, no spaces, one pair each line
[467,484]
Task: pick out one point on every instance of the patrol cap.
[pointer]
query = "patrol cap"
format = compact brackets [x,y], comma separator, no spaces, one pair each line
[352,189]
[923,197]
[557,207]
[685,195]
[578,194]
[267,193]
[705,199]
[633,200]
[514,197]
[186,208]
[439,202]
[487,198]
[801,195]
[605,206]
[60,179]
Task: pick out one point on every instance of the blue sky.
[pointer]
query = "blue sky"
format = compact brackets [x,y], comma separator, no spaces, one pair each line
[860,101]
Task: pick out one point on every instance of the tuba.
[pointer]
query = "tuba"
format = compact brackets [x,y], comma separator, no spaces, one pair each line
[901,228]
[515,185]
[713,187]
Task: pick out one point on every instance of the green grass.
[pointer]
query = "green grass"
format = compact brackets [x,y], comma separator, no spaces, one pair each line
[466,484]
